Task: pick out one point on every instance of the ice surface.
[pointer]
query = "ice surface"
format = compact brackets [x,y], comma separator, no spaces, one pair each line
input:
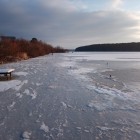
[76,100]
[106,56]
[67,64]
[79,65]
[109,95]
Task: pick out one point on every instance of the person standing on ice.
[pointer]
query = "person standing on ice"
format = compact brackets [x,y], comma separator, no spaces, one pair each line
[107,64]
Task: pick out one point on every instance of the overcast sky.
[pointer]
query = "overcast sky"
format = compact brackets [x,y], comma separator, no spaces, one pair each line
[71,23]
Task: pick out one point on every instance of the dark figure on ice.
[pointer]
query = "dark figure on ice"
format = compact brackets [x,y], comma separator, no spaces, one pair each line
[107,64]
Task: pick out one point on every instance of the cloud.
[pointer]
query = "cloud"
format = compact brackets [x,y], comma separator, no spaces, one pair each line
[101,27]
[116,4]
[61,22]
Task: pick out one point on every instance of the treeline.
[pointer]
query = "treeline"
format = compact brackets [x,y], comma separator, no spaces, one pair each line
[130,47]
[19,49]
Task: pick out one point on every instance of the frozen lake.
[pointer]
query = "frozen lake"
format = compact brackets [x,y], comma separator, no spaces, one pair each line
[72,96]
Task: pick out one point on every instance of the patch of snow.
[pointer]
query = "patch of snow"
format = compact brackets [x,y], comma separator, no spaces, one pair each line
[74,60]
[64,105]
[106,70]
[91,104]
[6,70]
[44,127]
[80,74]
[11,106]
[26,135]
[19,95]
[99,106]
[79,128]
[67,63]
[39,84]
[103,128]
[108,95]
[19,86]
[66,123]
[69,106]
[33,94]
[60,132]
[21,73]
[112,92]
[52,86]
[27,92]
[82,70]
[87,131]
[6,85]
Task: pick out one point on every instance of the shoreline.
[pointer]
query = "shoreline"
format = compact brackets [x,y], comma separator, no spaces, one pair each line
[10,59]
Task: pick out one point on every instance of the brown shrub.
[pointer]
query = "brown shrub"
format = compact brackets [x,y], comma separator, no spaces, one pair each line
[24,49]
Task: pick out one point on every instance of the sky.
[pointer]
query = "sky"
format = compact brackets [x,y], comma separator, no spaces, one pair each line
[71,23]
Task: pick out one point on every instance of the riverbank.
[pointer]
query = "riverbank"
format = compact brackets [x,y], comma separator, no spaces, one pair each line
[13,50]
[10,59]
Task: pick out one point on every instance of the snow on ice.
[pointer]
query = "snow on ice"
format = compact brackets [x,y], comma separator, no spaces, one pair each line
[31,93]
[44,127]
[21,73]
[6,85]
[19,95]
[11,106]
[64,105]
[19,86]
[26,135]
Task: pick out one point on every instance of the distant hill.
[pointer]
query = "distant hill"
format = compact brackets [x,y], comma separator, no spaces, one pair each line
[118,47]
